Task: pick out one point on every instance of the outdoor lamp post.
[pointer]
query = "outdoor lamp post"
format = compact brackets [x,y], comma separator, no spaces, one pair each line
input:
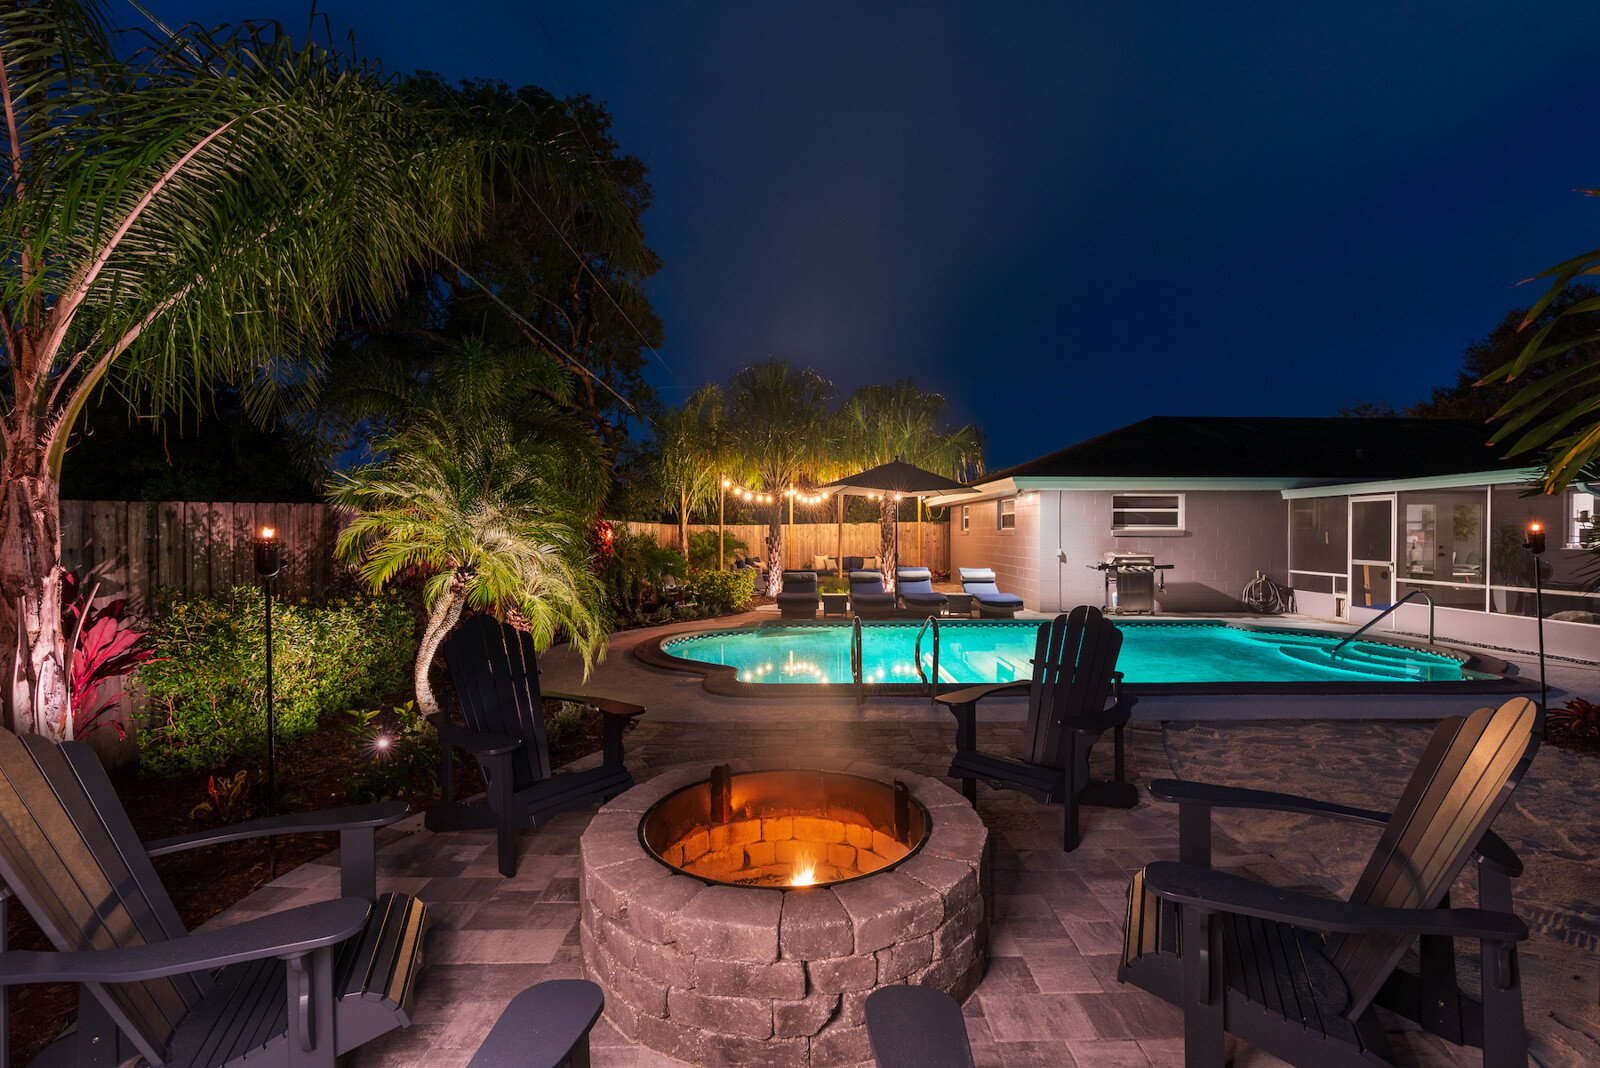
[269,561]
[1533,541]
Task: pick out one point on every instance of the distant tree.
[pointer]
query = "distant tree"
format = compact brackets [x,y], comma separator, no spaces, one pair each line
[1369,410]
[880,424]
[1555,409]
[688,444]
[1481,389]
[219,454]
[548,276]
[779,419]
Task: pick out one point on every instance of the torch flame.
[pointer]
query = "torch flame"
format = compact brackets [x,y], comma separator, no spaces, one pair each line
[804,875]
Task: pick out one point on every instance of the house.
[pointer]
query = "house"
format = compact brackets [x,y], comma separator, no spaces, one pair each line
[1352,514]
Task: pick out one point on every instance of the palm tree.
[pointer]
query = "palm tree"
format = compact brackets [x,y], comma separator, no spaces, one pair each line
[688,440]
[779,422]
[498,522]
[201,211]
[881,424]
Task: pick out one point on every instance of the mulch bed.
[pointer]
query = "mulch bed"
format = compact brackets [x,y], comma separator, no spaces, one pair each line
[203,882]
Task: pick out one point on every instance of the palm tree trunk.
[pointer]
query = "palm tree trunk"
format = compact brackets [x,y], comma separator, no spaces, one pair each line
[37,694]
[441,621]
[775,547]
[888,510]
[683,521]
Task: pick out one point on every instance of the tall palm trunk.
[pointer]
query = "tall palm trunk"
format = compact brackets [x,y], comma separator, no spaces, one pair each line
[683,520]
[775,547]
[888,511]
[37,695]
[441,621]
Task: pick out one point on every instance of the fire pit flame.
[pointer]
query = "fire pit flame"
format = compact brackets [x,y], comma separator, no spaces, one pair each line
[804,875]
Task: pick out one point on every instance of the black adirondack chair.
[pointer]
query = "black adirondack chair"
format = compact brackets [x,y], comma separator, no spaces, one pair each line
[1298,975]
[1074,697]
[296,988]
[799,598]
[917,1027]
[496,677]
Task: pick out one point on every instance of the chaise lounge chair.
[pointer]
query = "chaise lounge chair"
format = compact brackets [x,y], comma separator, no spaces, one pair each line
[799,598]
[868,598]
[992,604]
[915,587]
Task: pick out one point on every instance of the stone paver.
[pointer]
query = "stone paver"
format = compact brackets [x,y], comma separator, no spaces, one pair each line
[1049,996]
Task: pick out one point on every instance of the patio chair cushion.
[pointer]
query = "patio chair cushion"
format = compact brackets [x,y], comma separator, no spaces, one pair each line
[980,583]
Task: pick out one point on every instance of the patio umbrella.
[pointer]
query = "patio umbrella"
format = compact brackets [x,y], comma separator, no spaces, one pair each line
[895,477]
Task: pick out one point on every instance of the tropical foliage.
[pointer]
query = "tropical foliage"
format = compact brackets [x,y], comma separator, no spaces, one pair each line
[490,519]
[195,208]
[206,684]
[780,424]
[639,572]
[102,645]
[882,424]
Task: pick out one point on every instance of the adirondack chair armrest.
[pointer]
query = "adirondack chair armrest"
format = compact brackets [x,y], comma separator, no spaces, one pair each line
[1210,795]
[617,716]
[969,695]
[1499,856]
[604,704]
[1216,891]
[354,818]
[479,743]
[291,933]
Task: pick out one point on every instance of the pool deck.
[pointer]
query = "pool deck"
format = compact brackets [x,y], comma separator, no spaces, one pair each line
[1050,995]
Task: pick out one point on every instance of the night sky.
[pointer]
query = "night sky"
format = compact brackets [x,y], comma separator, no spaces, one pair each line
[1064,217]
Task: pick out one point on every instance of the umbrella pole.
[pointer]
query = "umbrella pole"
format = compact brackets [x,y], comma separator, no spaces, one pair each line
[788,543]
[919,533]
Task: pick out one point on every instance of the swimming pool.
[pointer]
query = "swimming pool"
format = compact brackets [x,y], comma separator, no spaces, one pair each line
[1172,656]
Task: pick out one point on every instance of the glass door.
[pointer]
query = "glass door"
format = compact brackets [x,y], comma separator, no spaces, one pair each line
[1371,551]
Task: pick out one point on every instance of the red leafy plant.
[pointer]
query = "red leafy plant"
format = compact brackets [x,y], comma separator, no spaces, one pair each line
[227,800]
[1580,719]
[101,645]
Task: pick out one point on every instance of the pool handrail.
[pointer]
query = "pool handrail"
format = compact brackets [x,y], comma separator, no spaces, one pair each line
[857,658]
[933,683]
[1369,624]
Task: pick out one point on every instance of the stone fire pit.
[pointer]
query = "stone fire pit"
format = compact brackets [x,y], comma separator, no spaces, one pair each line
[723,974]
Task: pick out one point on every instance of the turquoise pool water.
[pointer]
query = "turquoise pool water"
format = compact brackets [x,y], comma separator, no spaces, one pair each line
[999,651]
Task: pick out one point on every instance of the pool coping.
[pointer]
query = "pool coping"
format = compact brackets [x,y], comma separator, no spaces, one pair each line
[723,680]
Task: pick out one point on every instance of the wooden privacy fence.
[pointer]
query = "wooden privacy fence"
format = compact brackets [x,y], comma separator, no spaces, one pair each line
[134,548]
[810,540]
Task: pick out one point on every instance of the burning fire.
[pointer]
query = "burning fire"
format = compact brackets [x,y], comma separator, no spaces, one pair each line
[804,875]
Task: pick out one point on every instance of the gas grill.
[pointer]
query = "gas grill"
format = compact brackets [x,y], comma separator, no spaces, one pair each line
[1131,580]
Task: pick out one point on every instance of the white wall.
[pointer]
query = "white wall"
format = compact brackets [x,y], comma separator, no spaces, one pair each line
[1061,533]
[1013,554]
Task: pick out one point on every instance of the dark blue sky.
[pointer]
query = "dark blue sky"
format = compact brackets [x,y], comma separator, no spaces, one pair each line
[1065,217]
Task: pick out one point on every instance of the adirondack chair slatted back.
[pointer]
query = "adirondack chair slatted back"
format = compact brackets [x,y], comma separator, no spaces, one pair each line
[72,858]
[1073,661]
[496,677]
[1465,775]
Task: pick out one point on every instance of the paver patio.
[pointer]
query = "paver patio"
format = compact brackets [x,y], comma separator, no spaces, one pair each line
[1050,995]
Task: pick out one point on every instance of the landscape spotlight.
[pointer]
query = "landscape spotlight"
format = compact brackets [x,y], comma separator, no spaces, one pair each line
[1534,538]
[1533,541]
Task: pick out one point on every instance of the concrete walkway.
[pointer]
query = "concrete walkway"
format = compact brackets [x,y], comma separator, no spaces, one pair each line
[1050,996]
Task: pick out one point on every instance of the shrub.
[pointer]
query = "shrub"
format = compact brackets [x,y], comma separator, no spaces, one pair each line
[639,570]
[722,591]
[703,548]
[208,689]
[397,752]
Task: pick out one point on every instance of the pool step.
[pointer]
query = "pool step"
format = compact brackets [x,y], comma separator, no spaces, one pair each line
[1386,667]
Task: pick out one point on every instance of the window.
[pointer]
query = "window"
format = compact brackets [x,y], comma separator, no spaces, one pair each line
[1006,514]
[1583,532]
[1153,511]
[966,518]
